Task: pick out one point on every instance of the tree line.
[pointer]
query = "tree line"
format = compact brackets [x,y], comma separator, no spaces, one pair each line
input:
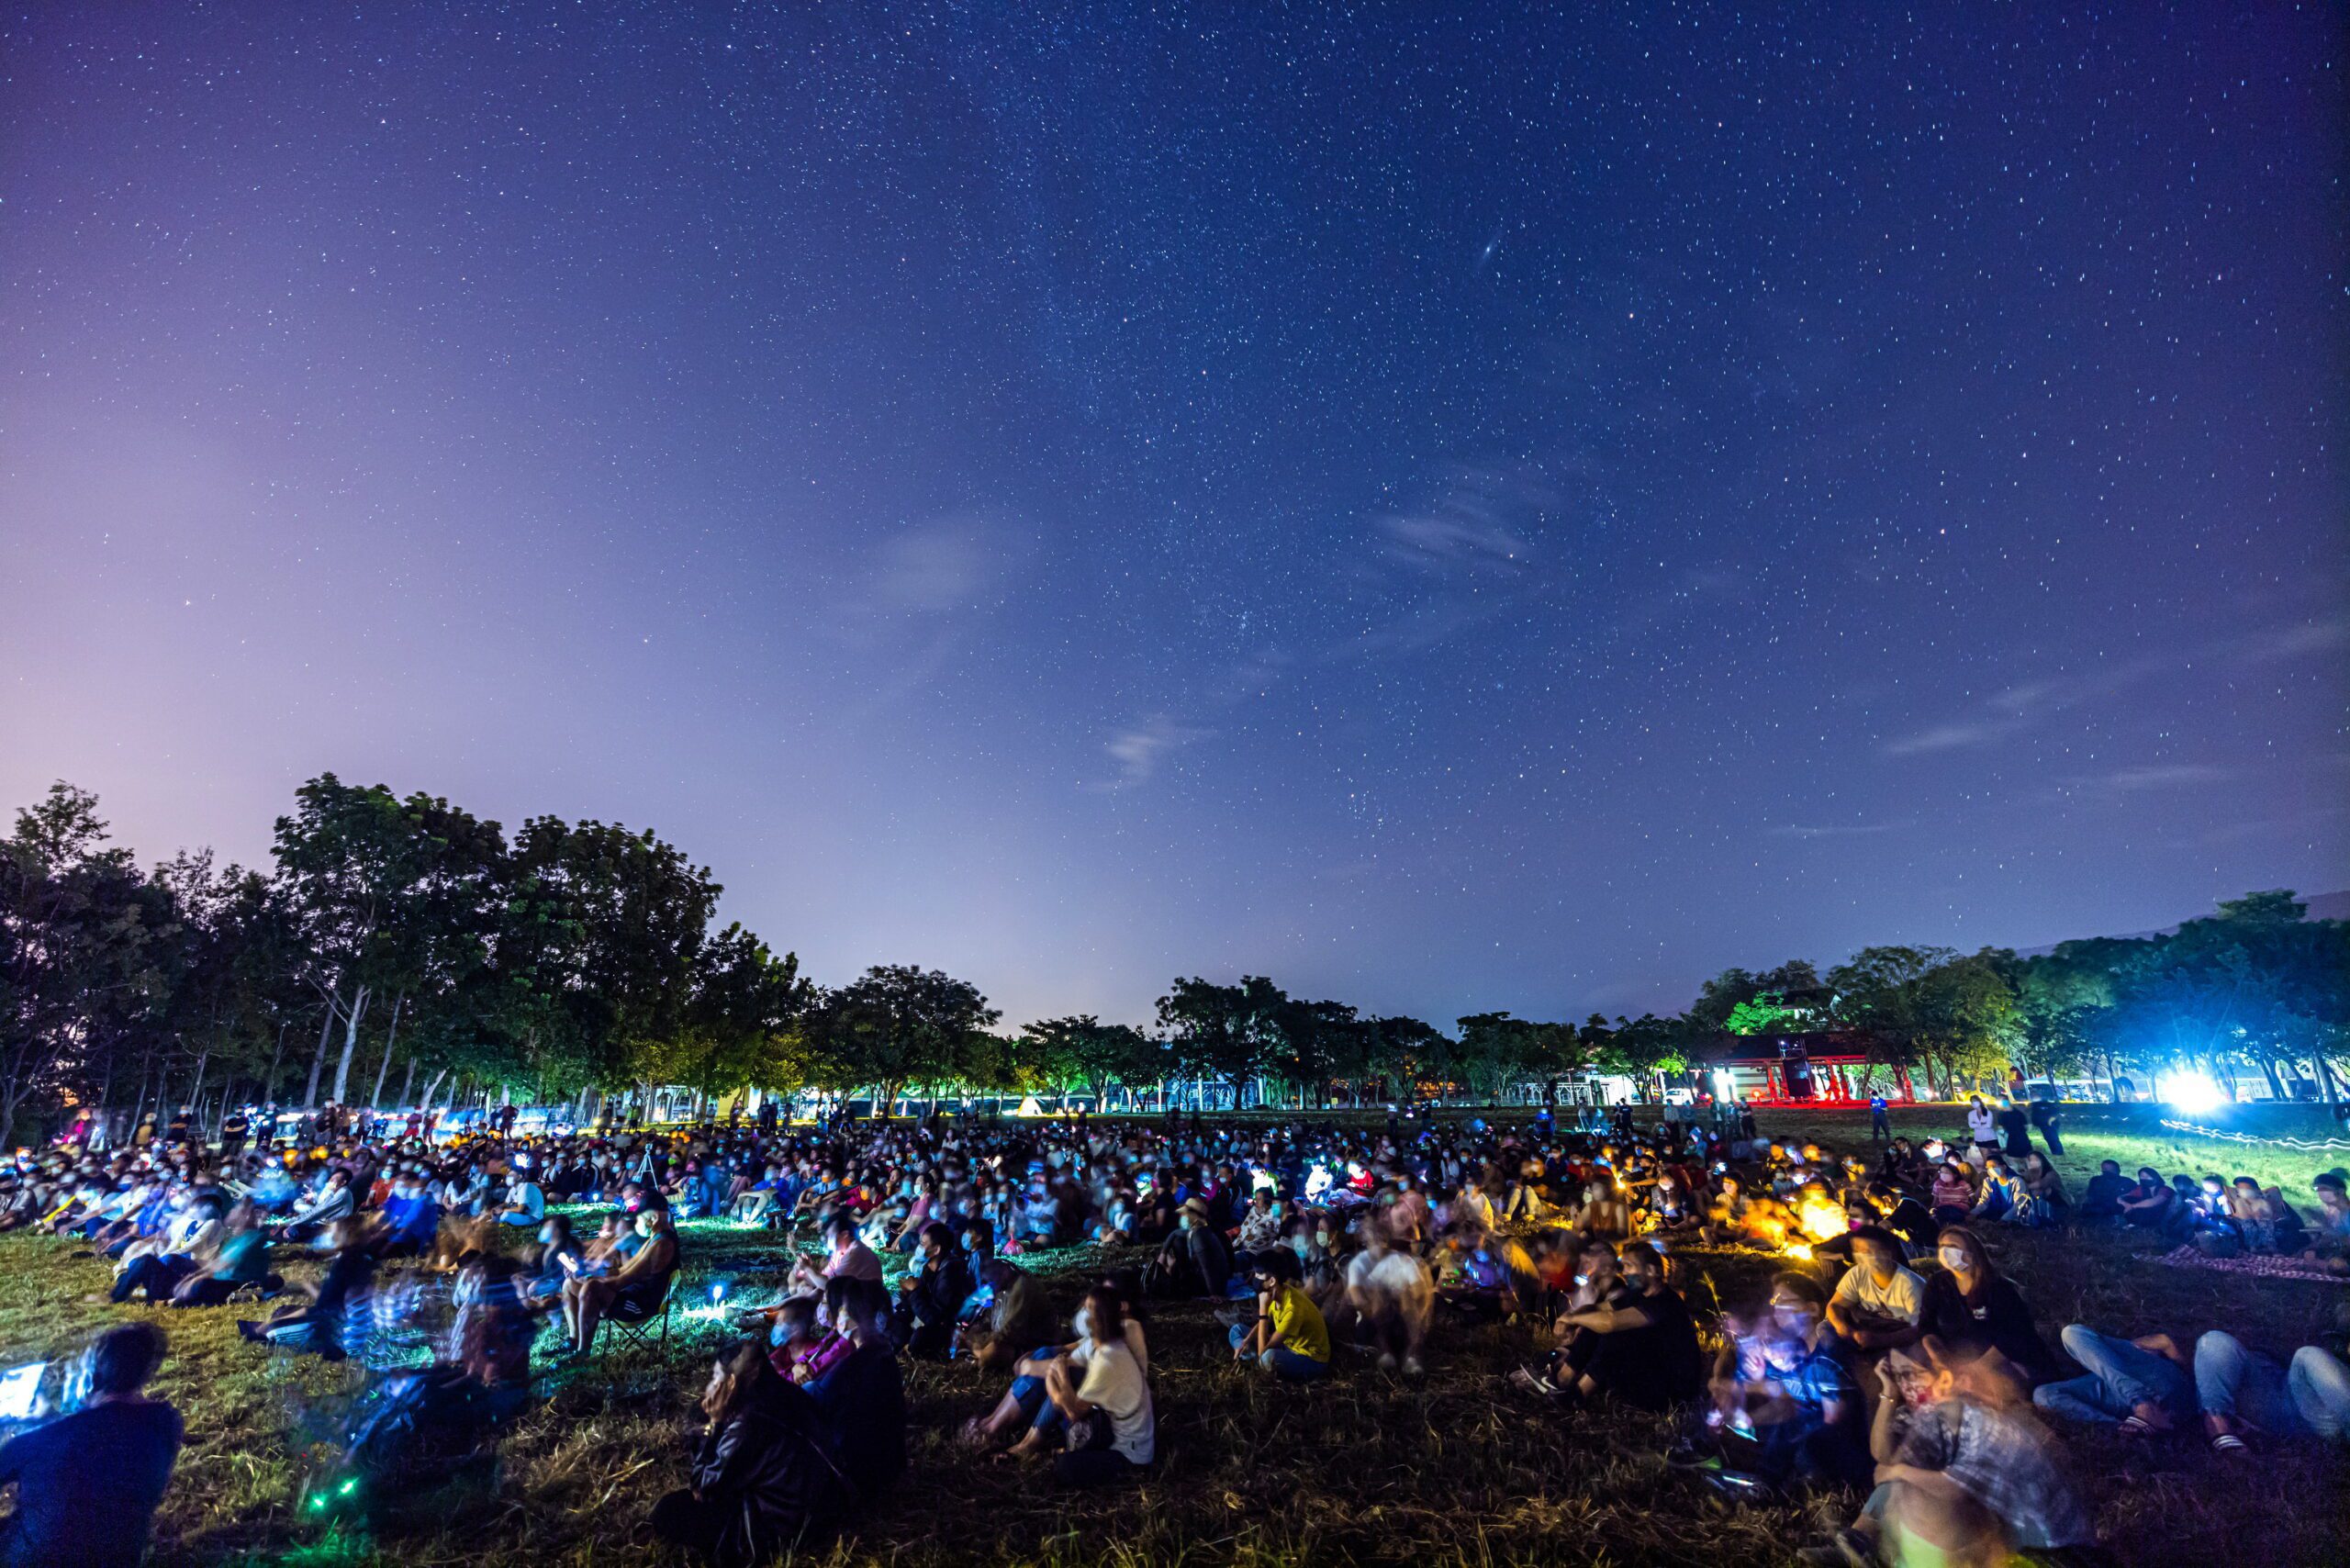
[400,950]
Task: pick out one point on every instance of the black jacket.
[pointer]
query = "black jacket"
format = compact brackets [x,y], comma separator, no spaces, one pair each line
[765,1468]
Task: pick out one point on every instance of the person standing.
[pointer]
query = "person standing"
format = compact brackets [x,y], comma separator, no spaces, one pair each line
[1880,1121]
[2048,1116]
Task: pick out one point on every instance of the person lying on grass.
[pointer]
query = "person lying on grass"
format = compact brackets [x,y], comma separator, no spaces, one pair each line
[2242,1390]
[1288,1338]
[2144,1387]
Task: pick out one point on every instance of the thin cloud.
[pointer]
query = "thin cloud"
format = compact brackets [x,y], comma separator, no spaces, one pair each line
[2164,775]
[1139,749]
[1952,737]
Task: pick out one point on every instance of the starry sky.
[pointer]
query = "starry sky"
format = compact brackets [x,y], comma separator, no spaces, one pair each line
[1451,509]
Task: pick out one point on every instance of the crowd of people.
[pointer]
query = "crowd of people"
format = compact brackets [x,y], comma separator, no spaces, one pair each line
[1889,1355]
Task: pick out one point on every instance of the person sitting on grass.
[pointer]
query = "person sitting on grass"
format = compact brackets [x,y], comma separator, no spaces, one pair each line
[2149,1204]
[1389,1297]
[1791,1411]
[236,1255]
[2329,1233]
[316,1326]
[762,1484]
[2042,1201]
[1875,1304]
[560,1260]
[159,1269]
[1969,1303]
[863,1395]
[1288,1339]
[2102,1199]
[1017,1313]
[1193,1261]
[2267,1225]
[1476,1282]
[1953,1193]
[931,1295]
[1100,1399]
[2000,1194]
[1639,1348]
[848,1258]
[794,1339]
[88,1483]
[2145,1386]
[1969,1476]
[411,1218]
[2242,1390]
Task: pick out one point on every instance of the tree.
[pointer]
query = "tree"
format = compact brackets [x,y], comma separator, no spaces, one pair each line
[1084,1051]
[1223,1032]
[388,895]
[898,1023]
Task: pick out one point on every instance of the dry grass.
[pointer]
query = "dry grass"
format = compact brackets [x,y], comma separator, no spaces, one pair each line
[1365,1467]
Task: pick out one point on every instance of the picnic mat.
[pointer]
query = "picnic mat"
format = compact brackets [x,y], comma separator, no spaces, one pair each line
[2270,1267]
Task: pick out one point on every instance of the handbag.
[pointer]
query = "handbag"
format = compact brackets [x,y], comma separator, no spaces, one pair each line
[1091,1432]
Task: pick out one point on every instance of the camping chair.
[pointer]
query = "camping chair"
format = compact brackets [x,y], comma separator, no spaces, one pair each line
[636,1324]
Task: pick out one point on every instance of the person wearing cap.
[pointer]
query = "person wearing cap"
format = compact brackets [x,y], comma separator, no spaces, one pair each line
[1194,1261]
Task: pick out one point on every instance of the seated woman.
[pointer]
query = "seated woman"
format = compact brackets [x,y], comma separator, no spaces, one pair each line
[1016,1315]
[794,1339]
[762,1484]
[1288,1339]
[316,1326]
[1095,1400]
[632,1291]
[1641,1348]
[2042,1201]
[1603,1211]
[1952,1194]
[1969,1304]
[2150,1204]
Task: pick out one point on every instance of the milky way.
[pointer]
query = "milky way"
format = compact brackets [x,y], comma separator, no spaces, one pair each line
[1449,513]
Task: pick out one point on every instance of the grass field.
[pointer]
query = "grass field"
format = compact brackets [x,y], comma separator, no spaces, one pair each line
[1364,1468]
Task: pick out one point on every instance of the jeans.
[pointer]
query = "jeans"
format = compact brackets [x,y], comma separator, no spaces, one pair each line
[1044,1418]
[2120,1377]
[155,1273]
[2319,1381]
[1286,1363]
[2244,1385]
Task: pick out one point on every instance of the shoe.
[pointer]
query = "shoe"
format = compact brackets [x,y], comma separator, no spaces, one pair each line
[1412,1367]
[1387,1361]
[1854,1549]
[2228,1442]
[1688,1456]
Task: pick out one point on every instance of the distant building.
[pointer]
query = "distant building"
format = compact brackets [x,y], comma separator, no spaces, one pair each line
[1808,1067]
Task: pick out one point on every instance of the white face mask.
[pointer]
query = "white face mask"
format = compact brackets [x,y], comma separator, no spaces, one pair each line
[1954,1258]
[1083,1323]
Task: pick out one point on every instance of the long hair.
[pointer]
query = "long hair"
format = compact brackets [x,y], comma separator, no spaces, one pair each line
[740,1372]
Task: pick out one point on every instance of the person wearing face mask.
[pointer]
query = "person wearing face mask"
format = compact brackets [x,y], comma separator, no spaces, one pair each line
[1194,1261]
[931,1295]
[1641,1349]
[411,1218]
[1967,1302]
[862,1397]
[1875,1304]
[631,1291]
[317,1327]
[1288,1339]
[1794,1412]
[561,1260]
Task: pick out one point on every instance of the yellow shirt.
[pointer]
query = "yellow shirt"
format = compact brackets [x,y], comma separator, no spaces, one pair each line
[1298,1324]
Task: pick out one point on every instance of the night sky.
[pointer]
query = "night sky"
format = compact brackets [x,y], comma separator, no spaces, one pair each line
[1449,512]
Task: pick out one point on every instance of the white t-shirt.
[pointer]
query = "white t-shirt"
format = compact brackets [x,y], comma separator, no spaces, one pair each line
[1903,1298]
[1135,1343]
[1114,1386]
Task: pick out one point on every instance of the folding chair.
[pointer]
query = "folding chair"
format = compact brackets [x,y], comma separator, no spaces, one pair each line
[639,1329]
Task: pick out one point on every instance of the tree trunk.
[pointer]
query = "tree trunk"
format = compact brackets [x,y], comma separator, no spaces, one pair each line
[350,1044]
[391,1039]
[408,1082]
[269,1084]
[318,1061]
